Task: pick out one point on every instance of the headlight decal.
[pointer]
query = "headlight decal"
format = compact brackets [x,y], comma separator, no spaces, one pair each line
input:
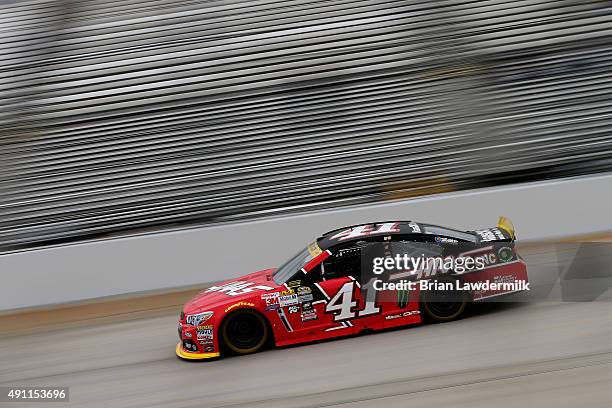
[197,319]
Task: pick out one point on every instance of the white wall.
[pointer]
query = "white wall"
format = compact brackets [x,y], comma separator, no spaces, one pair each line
[193,256]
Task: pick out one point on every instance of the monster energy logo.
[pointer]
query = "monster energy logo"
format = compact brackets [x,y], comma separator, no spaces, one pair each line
[402,298]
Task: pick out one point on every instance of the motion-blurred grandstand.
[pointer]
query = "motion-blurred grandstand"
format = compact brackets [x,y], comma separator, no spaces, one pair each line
[121,116]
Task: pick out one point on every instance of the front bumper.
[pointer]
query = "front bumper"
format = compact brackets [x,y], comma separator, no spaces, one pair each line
[180,352]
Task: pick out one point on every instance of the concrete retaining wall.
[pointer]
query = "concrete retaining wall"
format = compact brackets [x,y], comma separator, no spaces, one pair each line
[69,273]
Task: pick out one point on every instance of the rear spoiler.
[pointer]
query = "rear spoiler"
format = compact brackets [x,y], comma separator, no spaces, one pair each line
[505,224]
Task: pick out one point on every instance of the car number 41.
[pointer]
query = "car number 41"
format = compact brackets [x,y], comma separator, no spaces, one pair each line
[343,304]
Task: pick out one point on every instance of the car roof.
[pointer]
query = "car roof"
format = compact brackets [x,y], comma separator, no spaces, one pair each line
[381,228]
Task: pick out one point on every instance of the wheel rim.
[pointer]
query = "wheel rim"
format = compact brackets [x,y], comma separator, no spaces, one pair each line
[245,332]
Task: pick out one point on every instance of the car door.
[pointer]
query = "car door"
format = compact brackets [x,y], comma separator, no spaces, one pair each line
[340,283]
[329,296]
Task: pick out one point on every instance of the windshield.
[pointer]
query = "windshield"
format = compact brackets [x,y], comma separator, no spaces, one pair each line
[447,232]
[295,263]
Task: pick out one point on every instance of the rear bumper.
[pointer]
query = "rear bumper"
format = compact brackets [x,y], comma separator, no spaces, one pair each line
[180,352]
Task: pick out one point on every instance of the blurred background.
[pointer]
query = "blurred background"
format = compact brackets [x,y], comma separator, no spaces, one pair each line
[128,116]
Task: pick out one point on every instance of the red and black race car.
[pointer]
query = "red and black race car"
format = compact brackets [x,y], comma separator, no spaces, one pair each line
[359,278]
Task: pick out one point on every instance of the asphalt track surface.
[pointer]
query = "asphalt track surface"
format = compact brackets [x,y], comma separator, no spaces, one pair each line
[543,353]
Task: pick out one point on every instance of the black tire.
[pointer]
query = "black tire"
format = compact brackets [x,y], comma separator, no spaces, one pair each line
[443,305]
[245,332]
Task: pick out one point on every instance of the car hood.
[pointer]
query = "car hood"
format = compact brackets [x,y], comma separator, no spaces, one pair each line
[231,291]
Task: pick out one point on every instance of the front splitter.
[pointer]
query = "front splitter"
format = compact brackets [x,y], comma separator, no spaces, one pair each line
[194,356]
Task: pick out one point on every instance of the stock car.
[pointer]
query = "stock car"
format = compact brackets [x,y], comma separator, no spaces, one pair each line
[329,289]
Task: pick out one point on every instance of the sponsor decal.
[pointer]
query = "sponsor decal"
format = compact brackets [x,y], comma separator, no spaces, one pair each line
[309,315]
[444,240]
[498,233]
[271,299]
[208,346]
[415,227]
[504,279]
[239,304]
[491,234]
[505,254]
[305,298]
[288,300]
[188,334]
[294,283]
[486,235]
[400,315]
[197,319]
[206,327]
[304,290]
[402,298]
[293,309]
[306,306]
[272,307]
[273,295]
[205,333]
[238,288]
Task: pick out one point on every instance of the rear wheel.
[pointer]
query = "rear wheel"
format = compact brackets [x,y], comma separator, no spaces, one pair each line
[443,305]
[245,332]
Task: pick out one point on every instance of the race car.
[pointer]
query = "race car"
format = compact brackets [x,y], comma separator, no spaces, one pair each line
[355,279]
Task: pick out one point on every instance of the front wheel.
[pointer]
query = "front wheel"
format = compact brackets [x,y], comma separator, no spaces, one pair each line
[443,305]
[245,332]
